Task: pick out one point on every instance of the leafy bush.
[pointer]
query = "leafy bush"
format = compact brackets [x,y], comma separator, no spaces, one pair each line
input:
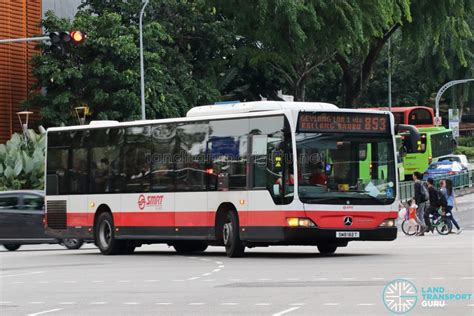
[466,141]
[22,162]
[464,150]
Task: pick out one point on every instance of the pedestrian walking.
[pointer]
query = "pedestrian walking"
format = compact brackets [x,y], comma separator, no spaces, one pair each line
[421,200]
[448,192]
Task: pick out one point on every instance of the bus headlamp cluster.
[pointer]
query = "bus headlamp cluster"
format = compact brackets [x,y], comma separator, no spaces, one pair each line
[300,222]
[389,222]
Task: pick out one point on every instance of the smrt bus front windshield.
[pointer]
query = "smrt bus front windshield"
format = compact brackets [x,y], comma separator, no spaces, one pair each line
[345,169]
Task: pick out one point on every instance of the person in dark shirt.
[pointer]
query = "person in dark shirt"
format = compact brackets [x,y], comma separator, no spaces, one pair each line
[421,201]
[435,202]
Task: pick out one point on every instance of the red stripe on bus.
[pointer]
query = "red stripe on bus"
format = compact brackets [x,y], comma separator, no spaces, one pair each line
[323,219]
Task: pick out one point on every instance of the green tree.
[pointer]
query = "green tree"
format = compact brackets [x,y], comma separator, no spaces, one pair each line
[441,26]
[184,48]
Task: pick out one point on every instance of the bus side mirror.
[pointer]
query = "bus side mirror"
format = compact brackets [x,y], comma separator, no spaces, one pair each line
[413,137]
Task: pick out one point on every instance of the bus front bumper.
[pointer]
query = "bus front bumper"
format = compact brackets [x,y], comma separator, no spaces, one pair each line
[315,235]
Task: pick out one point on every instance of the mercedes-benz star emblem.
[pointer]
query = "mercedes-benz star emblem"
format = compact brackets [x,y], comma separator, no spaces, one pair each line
[348,221]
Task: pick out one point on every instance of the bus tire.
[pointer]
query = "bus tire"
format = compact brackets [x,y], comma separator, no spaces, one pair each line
[73,243]
[326,249]
[190,246]
[105,235]
[234,247]
[11,247]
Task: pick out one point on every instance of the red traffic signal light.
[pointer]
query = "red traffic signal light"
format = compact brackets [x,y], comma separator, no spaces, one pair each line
[77,37]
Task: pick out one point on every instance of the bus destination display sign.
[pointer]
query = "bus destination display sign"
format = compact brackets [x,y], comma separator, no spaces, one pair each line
[343,122]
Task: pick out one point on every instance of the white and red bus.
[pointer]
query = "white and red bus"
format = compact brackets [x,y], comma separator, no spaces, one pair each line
[235,175]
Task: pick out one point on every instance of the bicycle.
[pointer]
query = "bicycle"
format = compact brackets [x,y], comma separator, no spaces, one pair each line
[409,229]
[441,223]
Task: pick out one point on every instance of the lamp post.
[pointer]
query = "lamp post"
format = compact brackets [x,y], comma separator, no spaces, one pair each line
[24,124]
[142,68]
[440,94]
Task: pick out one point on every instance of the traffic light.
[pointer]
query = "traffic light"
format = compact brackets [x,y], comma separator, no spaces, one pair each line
[60,41]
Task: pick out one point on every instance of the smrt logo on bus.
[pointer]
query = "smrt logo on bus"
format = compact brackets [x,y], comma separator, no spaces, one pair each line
[151,200]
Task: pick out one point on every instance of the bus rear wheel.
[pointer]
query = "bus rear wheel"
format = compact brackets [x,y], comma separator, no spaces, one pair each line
[230,232]
[190,246]
[327,249]
[105,235]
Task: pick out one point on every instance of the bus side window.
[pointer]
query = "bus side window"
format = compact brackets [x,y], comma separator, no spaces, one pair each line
[57,163]
[162,158]
[136,159]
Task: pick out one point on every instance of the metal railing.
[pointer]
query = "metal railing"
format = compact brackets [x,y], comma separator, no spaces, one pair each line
[462,183]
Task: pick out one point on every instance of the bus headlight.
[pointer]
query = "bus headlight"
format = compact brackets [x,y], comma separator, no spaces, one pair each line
[389,222]
[300,222]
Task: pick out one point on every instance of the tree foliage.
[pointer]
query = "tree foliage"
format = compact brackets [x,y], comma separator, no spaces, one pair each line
[201,51]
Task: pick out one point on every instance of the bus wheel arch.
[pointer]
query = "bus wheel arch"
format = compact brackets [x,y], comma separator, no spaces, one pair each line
[220,218]
[227,228]
[104,225]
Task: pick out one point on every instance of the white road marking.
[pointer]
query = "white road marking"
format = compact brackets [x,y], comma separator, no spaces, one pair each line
[97,281]
[378,279]
[221,266]
[297,304]
[331,304]
[348,279]
[264,279]
[193,278]
[292,279]
[229,304]
[234,280]
[18,282]
[69,281]
[206,274]
[131,303]
[216,270]
[98,303]
[196,304]
[320,279]
[44,312]
[472,305]
[67,303]
[151,280]
[163,303]
[263,304]
[35,302]
[467,278]
[20,274]
[5,303]
[205,260]
[438,278]
[289,310]
[43,282]
[366,304]
[219,262]
[123,281]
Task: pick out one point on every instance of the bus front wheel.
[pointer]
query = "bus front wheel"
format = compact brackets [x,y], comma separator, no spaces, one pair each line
[327,249]
[230,232]
[105,235]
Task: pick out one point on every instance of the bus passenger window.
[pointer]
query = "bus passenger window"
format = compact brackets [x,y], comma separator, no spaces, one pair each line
[162,158]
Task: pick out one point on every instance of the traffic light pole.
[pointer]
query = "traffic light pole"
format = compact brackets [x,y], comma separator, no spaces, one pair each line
[24,39]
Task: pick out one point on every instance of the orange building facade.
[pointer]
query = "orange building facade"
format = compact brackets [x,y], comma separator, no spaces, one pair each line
[18,18]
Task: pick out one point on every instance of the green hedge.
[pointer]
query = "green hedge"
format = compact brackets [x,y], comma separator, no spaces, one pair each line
[466,141]
[464,150]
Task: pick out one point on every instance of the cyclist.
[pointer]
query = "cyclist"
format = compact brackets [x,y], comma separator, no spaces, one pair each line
[448,192]
[437,200]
